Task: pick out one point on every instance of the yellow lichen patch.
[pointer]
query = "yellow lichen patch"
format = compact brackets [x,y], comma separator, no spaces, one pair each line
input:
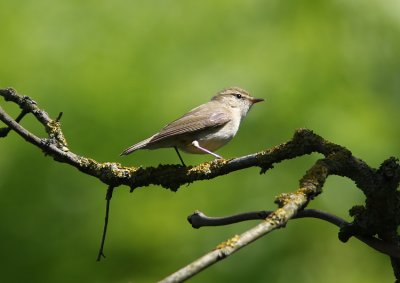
[87,162]
[129,169]
[206,168]
[54,131]
[201,168]
[285,198]
[264,152]
[277,218]
[116,170]
[279,214]
[305,191]
[229,243]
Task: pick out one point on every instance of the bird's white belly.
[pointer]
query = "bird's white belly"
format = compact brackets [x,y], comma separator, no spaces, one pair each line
[214,139]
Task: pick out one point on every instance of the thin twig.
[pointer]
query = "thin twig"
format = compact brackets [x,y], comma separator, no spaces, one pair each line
[59,117]
[4,131]
[199,219]
[109,194]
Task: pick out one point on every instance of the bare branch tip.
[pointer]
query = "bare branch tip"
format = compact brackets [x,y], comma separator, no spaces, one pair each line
[59,117]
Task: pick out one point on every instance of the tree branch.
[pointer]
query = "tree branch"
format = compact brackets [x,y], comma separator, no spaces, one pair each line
[290,205]
[380,216]
[199,219]
[275,220]
[168,176]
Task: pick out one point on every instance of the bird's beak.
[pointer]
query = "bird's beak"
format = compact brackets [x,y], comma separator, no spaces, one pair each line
[255,100]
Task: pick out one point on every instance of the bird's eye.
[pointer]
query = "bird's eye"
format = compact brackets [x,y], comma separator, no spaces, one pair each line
[238,95]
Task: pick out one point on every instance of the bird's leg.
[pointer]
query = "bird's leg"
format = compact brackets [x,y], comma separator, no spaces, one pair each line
[196,144]
[180,157]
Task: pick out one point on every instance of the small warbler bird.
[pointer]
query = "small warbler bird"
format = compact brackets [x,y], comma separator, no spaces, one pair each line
[205,128]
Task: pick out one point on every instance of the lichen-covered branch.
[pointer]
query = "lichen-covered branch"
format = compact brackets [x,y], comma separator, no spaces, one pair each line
[380,216]
[199,219]
[167,176]
[275,220]
[290,205]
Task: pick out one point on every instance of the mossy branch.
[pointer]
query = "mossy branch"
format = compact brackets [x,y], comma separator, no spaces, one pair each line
[168,176]
[379,217]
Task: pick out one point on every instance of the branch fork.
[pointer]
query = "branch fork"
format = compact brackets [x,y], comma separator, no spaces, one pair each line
[375,223]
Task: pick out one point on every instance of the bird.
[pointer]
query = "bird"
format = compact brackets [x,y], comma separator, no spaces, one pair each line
[205,128]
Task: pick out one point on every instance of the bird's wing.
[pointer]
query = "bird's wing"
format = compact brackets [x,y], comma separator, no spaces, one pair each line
[195,120]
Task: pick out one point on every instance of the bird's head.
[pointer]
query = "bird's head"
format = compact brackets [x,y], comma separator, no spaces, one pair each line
[236,97]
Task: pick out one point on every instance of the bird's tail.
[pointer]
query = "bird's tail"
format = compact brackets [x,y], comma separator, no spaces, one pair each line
[135,147]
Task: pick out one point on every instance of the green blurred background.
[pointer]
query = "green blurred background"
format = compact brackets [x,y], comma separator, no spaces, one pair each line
[120,70]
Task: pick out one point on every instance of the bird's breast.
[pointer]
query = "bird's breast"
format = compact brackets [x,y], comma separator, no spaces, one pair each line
[214,138]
